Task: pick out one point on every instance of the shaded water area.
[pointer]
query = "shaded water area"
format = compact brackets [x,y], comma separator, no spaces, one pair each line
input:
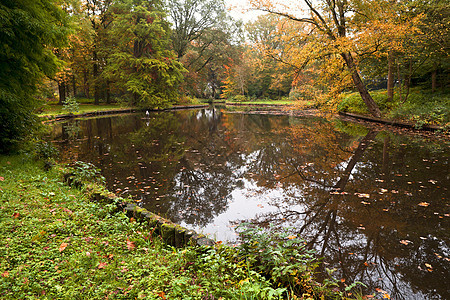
[373,203]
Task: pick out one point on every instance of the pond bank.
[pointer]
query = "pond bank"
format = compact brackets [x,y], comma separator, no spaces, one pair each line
[57,241]
[116,111]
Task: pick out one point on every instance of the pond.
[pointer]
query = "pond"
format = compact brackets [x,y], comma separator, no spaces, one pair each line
[373,203]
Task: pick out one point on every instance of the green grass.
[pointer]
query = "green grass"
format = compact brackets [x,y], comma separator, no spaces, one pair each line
[54,109]
[421,106]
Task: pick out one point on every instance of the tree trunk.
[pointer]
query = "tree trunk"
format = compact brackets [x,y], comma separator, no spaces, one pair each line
[95,74]
[368,100]
[74,86]
[108,92]
[433,80]
[85,83]
[390,79]
[62,92]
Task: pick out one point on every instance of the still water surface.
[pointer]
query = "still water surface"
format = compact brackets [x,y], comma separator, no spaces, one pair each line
[373,203]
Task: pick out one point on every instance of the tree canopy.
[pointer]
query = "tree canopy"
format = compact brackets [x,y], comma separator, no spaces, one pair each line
[28,31]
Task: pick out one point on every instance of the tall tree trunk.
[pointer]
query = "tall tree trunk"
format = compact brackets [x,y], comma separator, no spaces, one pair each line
[74,86]
[95,74]
[390,78]
[108,92]
[368,100]
[62,92]
[433,80]
[86,83]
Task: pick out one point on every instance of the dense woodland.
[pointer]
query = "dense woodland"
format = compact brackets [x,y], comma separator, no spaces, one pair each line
[158,53]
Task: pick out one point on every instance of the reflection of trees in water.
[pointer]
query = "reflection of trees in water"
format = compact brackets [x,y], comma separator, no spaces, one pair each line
[360,236]
[191,161]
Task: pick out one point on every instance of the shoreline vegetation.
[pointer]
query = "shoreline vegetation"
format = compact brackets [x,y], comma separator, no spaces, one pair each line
[59,243]
[423,110]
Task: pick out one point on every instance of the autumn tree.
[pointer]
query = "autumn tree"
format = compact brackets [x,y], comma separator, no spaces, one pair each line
[332,23]
[28,31]
[204,38]
[141,62]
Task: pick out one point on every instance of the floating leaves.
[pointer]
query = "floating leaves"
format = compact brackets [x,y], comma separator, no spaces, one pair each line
[405,242]
[423,204]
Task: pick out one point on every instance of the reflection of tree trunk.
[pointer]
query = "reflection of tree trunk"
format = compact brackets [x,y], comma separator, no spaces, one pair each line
[355,158]
[385,167]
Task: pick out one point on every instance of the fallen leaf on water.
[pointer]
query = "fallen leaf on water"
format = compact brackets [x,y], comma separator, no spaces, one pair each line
[63,246]
[405,242]
[365,203]
[260,205]
[432,181]
[363,195]
[428,266]
[130,245]
[424,204]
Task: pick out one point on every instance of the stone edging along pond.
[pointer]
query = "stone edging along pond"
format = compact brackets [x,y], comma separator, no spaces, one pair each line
[170,232]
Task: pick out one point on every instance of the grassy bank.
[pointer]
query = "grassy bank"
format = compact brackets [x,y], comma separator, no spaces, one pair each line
[421,106]
[58,244]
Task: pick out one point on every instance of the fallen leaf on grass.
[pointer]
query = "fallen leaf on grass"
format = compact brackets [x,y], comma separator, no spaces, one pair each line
[62,247]
[16,215]
[130,245]
[2,178]
[102,265]
[5,274]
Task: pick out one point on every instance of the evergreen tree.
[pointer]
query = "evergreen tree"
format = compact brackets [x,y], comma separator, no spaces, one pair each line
[28,30]
[141,61]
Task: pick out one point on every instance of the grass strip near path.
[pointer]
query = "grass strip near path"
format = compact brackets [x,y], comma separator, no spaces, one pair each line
[57,244]
[55,110]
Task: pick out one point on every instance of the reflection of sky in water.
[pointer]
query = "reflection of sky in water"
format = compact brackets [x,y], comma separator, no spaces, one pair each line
[246,203]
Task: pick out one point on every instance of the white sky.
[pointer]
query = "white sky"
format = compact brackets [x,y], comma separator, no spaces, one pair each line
[239,10]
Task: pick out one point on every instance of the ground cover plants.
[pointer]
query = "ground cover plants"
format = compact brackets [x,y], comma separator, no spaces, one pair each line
[421,106]
[58,244]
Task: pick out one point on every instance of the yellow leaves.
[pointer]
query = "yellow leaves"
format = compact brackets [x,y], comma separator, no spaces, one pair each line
[405,242]
[291,237]
[423,204]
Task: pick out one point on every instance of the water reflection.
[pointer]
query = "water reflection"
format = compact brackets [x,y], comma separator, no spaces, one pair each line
[375,204]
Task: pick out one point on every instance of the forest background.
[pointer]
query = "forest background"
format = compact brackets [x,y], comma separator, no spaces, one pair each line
[380,57]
